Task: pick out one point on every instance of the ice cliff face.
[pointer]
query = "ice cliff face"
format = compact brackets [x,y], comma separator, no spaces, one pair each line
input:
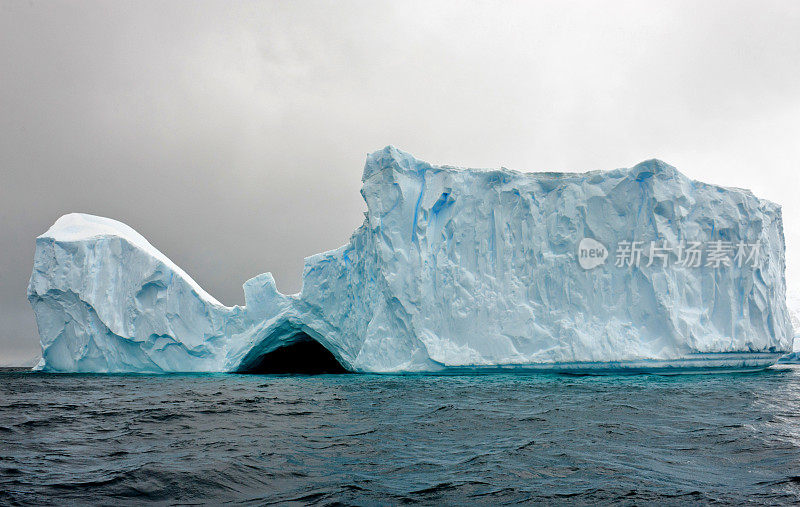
[453,269]
[106,300]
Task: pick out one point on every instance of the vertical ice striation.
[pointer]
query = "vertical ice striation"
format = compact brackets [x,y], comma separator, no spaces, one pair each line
[452,269]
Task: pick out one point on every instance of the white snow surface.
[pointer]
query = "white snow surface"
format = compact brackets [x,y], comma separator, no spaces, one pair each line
[453,269]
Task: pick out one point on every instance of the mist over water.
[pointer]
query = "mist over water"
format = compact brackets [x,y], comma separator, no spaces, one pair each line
[366,439]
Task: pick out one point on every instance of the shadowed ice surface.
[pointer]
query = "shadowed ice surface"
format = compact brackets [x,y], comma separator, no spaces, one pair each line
[366,439]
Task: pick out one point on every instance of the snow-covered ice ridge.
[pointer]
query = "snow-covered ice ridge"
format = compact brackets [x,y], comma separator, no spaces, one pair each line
[452,270]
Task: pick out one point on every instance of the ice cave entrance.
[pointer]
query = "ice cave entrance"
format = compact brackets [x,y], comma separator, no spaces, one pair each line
[304,356]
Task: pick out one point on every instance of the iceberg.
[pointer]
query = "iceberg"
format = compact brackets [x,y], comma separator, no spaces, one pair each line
[452,270]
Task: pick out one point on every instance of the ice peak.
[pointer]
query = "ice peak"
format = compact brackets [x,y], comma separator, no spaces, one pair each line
[83,226]
[655,167]
[390,158]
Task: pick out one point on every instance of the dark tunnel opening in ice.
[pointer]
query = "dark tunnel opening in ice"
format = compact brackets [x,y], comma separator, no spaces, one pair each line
[304,356]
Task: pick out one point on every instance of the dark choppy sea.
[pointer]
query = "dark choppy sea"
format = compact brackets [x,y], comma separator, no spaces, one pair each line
[728,438]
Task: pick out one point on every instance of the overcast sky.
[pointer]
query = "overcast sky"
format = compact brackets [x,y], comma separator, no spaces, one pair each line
[233,135]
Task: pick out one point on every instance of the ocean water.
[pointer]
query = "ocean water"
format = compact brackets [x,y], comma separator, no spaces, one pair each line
[369,439]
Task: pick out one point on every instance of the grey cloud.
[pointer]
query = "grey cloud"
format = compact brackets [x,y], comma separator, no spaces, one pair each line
[232,136]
